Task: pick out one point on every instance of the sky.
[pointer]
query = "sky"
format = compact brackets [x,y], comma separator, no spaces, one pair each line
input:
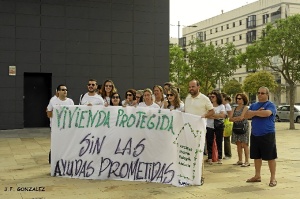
[193,11]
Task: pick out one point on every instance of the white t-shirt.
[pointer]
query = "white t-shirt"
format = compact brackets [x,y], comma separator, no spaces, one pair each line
[218,109]
[56,101]
[199,105]
[180,108]
[227,108]
[91,99]
[153,105]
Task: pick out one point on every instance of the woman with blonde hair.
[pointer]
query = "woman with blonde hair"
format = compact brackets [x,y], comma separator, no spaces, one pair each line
[148,100]
[108,88]
[158,95]
[173,100]
[139,96]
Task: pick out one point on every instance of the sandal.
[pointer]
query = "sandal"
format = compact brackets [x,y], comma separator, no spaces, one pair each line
[273,183]
[202,181]
[246,164]
[209,161]
[238,163]
[254,179]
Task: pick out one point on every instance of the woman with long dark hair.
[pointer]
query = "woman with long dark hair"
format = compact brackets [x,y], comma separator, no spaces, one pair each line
[212,129]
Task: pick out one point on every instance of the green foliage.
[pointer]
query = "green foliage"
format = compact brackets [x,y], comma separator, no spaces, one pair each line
[232,87]
[209,63]
[178,69]
[256,80]
[278,50]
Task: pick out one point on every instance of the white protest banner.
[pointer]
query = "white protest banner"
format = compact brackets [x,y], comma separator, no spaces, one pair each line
[141,144]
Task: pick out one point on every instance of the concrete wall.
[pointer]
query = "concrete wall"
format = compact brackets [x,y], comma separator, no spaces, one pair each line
[123,40]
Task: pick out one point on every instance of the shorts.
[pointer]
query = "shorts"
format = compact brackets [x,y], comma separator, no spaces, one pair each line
[263,147]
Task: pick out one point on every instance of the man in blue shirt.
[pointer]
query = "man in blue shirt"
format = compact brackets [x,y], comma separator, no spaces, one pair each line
[262,140]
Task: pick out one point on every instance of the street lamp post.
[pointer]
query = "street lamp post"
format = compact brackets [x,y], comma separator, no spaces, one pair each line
[179,30]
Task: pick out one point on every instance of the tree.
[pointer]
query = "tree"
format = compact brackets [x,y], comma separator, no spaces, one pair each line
[232,87]
[279,50]
[210,64]
[256,80]
[178,69]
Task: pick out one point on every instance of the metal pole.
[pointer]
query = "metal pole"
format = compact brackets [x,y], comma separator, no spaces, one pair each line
[178,32]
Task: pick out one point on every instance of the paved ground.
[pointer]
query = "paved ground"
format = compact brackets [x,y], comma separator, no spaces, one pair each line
[24,163]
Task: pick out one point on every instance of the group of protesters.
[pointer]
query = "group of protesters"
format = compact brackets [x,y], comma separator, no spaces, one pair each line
[214,107]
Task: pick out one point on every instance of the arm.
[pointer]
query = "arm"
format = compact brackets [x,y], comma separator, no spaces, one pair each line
[241,117]
[217,115]
[209,113]
[260,113]
[49,114]
[229,114]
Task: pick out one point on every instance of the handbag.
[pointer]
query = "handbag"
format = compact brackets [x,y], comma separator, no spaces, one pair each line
[239,128]
[218,124]
[228,128]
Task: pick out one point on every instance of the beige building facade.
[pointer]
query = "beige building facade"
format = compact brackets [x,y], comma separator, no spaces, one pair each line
[242,26]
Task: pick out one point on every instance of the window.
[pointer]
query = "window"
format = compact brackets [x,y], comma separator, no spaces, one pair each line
[251,21]
[276,15]
[227,40]
[227,26]
[241,23]
[265,18]
[233,24]
[221,28]
[263,32]
[221,41]
[251,36]
[216,42]
[233,38]
[200,36]
[210,31]
[182,41]
[240,37]
[204,36]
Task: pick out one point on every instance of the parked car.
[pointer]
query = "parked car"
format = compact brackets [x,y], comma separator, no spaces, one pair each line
[283,113]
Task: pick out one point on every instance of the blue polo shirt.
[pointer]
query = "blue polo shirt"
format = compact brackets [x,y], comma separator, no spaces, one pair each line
[263,125]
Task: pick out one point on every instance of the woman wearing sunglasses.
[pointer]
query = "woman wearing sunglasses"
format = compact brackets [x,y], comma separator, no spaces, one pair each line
[115,100]
[108,88]
[130,99]
[241,140]
[173,100]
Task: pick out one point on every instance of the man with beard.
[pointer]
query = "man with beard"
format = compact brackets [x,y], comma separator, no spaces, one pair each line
[91,97]
[198,104]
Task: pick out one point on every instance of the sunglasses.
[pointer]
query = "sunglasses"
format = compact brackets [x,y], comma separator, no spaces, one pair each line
[128,94]
[238,98]
[170,95]
[108,85]
[91,84]
[63,89]
[115,97]
[261,93]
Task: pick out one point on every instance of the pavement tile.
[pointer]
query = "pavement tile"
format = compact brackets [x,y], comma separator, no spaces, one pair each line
[24,163]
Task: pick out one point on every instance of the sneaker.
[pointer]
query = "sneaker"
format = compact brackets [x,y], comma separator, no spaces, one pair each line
[226,158]
[220,162]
